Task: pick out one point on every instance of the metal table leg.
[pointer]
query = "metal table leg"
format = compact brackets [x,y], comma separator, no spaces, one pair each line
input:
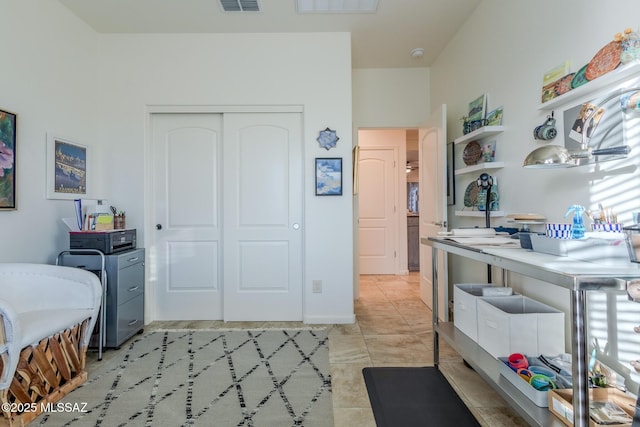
[434,304]
[102,321]
[579,361]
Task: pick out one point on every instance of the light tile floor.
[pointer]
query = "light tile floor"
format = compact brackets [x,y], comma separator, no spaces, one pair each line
[393,328]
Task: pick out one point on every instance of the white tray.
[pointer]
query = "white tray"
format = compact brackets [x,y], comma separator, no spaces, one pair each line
[612,250]
[539,398]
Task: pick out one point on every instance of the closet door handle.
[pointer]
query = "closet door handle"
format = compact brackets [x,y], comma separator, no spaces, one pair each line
[158,226]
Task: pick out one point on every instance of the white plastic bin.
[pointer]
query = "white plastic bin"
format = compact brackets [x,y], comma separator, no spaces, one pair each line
[518,324]
[465,314]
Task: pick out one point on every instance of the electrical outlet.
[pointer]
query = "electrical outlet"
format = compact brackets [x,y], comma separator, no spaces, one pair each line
[317,286]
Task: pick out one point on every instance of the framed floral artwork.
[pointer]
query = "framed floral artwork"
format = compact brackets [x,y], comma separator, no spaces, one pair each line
[7,160]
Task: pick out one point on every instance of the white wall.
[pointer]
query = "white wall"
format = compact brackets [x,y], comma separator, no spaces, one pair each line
[501,53]
[49,80]
[390,97]
[96,88]
[504,49]
[244,69]
[508,58]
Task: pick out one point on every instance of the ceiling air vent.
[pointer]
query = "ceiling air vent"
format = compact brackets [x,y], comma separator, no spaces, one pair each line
[240,5]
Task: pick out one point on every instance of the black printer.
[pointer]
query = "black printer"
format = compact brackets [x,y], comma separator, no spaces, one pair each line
[106,241]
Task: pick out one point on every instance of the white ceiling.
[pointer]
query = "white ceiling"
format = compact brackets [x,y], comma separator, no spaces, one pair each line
[379,40]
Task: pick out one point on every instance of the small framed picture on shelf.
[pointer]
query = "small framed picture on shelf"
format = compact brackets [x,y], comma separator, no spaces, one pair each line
[477,108]
[494,117]
[329,176]
[489,151]
[552,77]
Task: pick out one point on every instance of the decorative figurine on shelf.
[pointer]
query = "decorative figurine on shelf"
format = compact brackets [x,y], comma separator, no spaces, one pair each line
[546,131]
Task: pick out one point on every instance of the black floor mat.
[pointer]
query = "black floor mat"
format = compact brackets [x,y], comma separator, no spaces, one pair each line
[415,397]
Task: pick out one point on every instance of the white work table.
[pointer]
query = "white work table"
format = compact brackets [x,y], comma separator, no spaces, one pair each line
[577,276]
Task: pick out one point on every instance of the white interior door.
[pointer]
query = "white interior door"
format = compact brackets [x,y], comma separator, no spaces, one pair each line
[186,265]
[377,210]
[432,145]
[263,216]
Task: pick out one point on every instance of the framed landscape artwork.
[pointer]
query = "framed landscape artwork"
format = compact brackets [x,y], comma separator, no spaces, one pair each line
[477,108]
[67,169]
[328,176]
[7,160]
[494,117]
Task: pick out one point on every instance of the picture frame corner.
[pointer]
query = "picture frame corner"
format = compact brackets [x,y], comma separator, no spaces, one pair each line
[8,176]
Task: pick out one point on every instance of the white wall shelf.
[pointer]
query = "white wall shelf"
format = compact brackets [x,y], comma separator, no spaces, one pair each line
[479,214]
[483,132]
[480,166]
[611,78]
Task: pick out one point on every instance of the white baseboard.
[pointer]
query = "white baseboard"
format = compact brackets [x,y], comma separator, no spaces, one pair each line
[325,320]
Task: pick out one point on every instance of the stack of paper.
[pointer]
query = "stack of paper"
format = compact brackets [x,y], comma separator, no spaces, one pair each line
[485,241]
[479,237]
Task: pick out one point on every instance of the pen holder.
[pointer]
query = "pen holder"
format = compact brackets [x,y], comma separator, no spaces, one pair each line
[118,222]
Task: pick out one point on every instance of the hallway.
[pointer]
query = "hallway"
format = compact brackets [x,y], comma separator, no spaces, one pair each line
[394,328]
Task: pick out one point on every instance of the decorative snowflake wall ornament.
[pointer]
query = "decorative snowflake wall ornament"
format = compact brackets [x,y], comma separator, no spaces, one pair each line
[327,138]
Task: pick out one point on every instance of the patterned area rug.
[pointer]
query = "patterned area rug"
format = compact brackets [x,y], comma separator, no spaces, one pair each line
[253,378]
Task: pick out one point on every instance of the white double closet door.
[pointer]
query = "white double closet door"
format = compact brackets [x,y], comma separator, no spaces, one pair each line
[227,210]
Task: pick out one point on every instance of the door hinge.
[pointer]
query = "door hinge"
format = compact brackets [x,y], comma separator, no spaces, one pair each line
[395,254]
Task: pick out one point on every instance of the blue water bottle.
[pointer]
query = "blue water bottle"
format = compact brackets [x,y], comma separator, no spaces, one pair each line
[578,229]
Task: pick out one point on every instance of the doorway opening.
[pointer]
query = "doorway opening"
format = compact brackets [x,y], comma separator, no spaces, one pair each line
[388,201]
